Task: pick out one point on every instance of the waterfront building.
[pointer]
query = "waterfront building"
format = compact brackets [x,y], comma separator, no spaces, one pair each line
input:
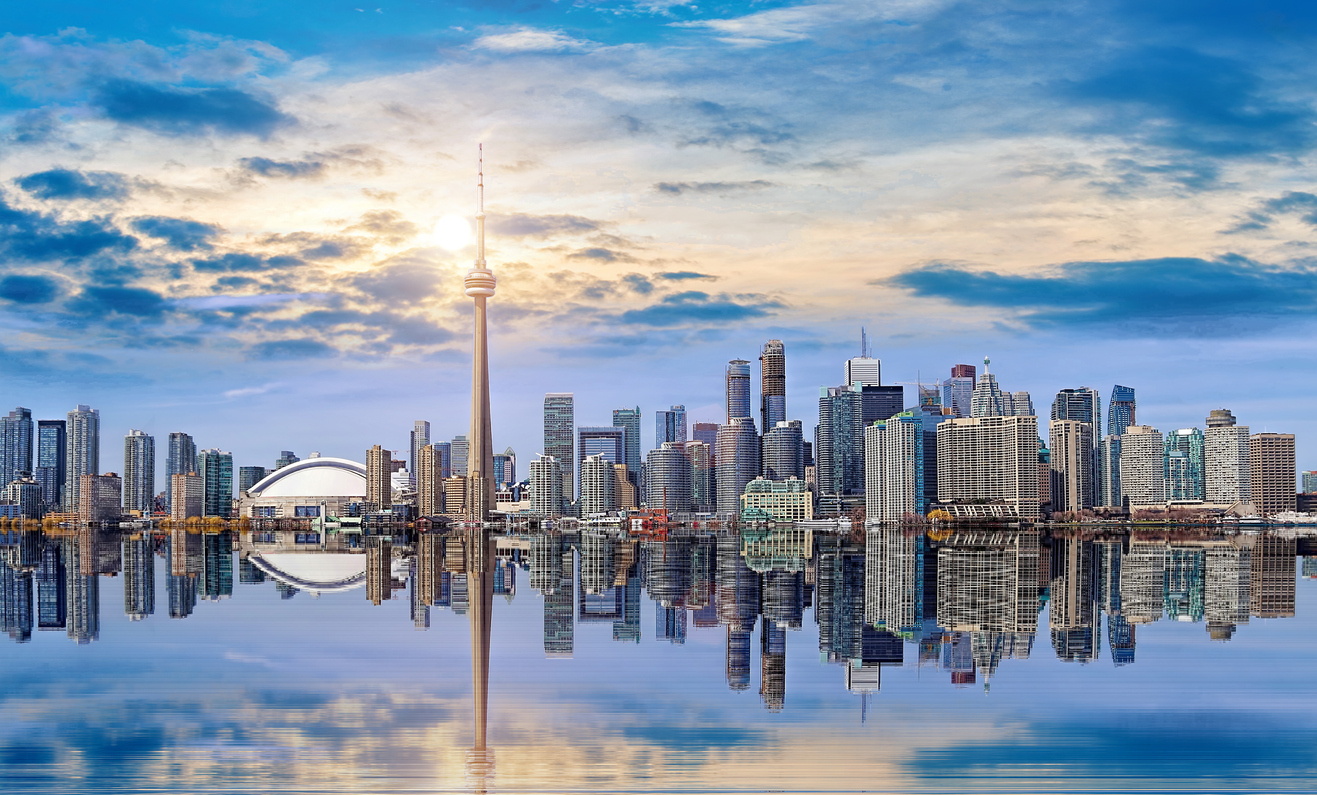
[1109,491]
[629,421]
[1272,576]
[182,459]
[784,450]
[958,390]
[840,441]
[737,462]
[1225,459]
[1072,609]
[1184,464]
[454,497]
[419,437]
[788,500]
[459,453]
[624,488]
[1272,472]
[100,497]
[606,440]
[250,476]
[707,432]
[138,577]
[187,496]
[670,425]
[51,458]
[989,458]
[669,478]
[1120,411]
[1142,466]
[318,486]
[704,488]
[1072,469]
[216,470]
[598,485]
[15,444]
[560,434]
[286,457]
[429,482]
[1310,482]
[379,485]
[930,415]
[546,486]
[894,468]
[82,452]
[772,384]
[25,494]
[139,472]
[738,389]
[894,580]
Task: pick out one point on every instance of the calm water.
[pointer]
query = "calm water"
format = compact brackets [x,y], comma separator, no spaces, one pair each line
[984,661]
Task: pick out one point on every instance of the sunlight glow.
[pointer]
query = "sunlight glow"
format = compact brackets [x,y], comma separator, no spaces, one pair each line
[452,232]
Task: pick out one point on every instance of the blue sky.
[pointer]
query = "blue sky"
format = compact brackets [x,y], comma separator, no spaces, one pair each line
[219,217]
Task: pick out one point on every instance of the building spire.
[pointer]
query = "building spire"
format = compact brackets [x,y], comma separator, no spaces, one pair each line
[480,208]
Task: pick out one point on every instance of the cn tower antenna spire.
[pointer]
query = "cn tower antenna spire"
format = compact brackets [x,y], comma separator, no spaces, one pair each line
[480,284]
[480,206]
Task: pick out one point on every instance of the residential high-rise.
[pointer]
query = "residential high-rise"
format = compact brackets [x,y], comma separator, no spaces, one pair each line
[444,454]
[669,475]
[624,491]
[216,470]
[704,489]
[894,468]
[187,496]
[25,493]
[1271,468]
[784,451]
[958,390]
[1142,466]
[1109,491]
[598,485]
[738,462]
[1310,482]
[606,440]
[15,444]
[560,434]
[1071,459]
[707,432]
[1184,464]
[52,452]
[772,384]
[100,497]
[182,459]
[546,496]
[429,481]
[420,437]
[479,284]
[840,443]
[138,471]
[629,421]
[459,453]
[1120,411]
[670,425]
[1225,459]
[1082,404]
[379,485]
[82,452]
[738,389]
[285,458]
[989,458]
[249,476]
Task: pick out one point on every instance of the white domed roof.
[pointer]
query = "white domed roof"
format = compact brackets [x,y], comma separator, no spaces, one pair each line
[320,572]
[314,477]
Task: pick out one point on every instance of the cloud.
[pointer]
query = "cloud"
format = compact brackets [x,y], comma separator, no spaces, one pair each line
[189,111]
[525,39]
[213,302]
[683,275]
[63,183]
[721,188]
[602,255]
[1291,202]
[405,281]
[240,261]
[388,225]
[522,225]
[1183,293]
[290,349]
[775,26]
[698,307]
[287,169]
[34,236]
[638,283]
[27,289]
[183,234]
[135,301]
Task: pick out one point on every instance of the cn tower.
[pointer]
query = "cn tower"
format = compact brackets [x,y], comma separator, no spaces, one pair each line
[480,458]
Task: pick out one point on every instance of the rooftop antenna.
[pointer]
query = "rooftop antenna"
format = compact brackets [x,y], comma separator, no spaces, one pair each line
[864,344]
[480,211]
[986,362]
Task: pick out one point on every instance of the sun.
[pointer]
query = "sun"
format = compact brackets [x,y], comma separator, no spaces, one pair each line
[452,232]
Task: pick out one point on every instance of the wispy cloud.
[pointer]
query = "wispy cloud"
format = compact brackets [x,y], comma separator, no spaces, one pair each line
[525,39]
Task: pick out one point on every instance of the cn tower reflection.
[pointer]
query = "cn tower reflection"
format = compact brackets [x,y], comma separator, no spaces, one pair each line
[480,560]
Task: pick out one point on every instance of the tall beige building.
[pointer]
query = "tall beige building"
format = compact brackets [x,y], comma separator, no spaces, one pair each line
[187,496]
[454,496]
[1071,465]
[623,490]
[989,458]
[1225,459]
[99,497]
[1272,472]
[379,477]
[1142,466]
[429,481]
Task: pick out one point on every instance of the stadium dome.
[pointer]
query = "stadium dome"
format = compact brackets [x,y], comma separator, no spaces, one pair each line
[315,572]
[314,477]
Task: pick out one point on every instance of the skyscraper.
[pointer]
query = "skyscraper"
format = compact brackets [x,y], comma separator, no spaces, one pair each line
[738,462]
[784,451]
[480,285]
[598,481]
[138,471]
[1142,466]
[669,473]
[420,437]
[52,452]
[15,444]
[546,495]
[1071,459]
[840,449]
[249,476]
[1272,472]
[1120,411]
[863,371]
[958,390]
[670,425]
[1310,482]
[429,481]
[1184,464]
[181,460]
[606,440]
[560,433]
[379,486]
[987,400]
[1225,459]
[505,468]
[216,470]
[1082,404]
[894,468]
[82,452]
[704,488]
[880,402]
[989,458]
[285,458]
[738,389]
[459,452]
[772,384]
[707,432]
[1109,490]
[629,420]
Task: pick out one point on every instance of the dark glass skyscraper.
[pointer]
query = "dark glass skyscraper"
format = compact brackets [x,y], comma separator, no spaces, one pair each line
[216,470]
[16,451]
[182,459]
[840,446]
[629,420]
[1120,412]
[560,433]
[51,452]
[138,471]
[772,384]
[670,426]
[738,389]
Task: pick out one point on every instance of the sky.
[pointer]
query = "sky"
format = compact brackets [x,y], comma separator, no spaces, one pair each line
[246,220]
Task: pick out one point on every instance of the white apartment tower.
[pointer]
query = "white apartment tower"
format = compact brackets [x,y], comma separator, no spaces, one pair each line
[546,486]
[1142,466]
[894,468]
[1225,459]
[597,485]
[989,458]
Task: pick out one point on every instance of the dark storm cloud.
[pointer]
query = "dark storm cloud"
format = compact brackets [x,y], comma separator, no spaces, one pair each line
[1178,291]
[25,289]
[63,183]
[183,234]
[189,111]
[287,169]
[29,235]
[698,307]
[720,188]
[522,225]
